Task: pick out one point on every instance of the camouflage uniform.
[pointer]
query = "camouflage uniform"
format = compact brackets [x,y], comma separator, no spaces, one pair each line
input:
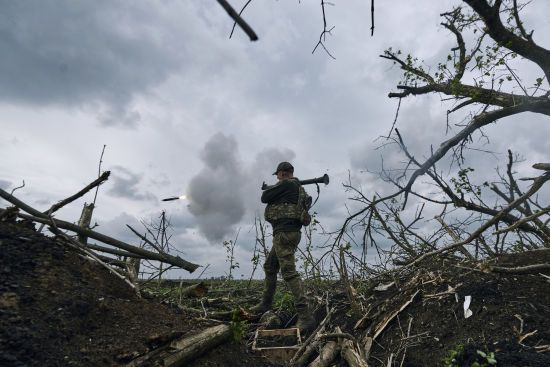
[281,257]
[286,237]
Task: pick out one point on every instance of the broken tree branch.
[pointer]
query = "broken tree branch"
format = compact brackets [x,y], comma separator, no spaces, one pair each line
[240,21]
[537,184]
[40,217]
[184,350]
[98,181]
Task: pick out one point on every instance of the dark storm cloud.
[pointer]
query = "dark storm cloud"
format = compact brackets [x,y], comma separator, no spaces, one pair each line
[127,184]
[76,53]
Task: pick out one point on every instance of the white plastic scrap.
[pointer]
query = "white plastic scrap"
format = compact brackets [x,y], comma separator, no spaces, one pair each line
[467,311]
[383,287]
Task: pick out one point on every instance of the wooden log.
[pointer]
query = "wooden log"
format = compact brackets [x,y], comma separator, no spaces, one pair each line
[327,354]
[183,350]
[109,250]
[39,217]
[195,290]
[542,166]
[352,357]
[194,346]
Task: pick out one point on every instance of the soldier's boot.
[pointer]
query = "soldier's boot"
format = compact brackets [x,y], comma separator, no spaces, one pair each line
[306,323]
[270,285]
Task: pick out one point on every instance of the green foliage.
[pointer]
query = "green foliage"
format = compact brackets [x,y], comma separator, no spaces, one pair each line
[284,301]
[451,359]
[462,184]
[237,326]
[456,356]
[488,359]
[230,257]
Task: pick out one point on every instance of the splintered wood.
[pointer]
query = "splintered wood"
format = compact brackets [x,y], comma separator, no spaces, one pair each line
[183,350]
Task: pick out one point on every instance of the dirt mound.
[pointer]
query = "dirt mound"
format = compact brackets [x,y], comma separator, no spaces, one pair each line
[58,308]
[510,319]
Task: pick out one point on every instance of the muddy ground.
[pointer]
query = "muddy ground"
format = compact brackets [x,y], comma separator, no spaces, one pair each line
[59,309]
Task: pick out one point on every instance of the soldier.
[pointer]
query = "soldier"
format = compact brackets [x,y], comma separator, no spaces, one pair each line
[286,216]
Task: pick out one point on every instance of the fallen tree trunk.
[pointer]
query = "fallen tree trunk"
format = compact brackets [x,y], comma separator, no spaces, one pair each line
[184,350]
[351,356]
[40,217]
[327,354]
[195,290]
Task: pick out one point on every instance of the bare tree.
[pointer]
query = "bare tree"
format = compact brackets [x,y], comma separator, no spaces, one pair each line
[477,77]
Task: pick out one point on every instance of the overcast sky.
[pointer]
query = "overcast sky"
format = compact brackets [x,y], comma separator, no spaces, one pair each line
[183,109]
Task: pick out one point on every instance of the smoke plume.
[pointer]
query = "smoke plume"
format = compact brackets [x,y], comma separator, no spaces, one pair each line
[226,188]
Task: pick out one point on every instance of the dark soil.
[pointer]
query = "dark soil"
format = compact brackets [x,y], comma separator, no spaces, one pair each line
[59,309]
[505,307]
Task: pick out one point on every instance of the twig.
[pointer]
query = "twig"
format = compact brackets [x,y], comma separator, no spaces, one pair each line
[144,238]
[372,22]
[18,187]
[99,172]
[523,220]
[240,21]
[324,32]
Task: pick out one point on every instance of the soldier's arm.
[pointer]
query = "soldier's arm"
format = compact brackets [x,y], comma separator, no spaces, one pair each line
[271,195]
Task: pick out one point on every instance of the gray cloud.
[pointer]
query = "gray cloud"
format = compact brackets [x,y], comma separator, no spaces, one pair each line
[126,184]
[83,53]
[215,193]
[116,228]
[4,185]
[227,188]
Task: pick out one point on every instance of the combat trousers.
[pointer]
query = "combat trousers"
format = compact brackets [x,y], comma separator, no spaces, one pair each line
[281,257]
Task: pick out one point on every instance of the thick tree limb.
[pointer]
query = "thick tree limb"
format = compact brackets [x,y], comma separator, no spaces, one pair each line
[240,21]
[40,217]
[524,47]
[186,349]
[477,122]
[476,95]
[98,181]
[112,251]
